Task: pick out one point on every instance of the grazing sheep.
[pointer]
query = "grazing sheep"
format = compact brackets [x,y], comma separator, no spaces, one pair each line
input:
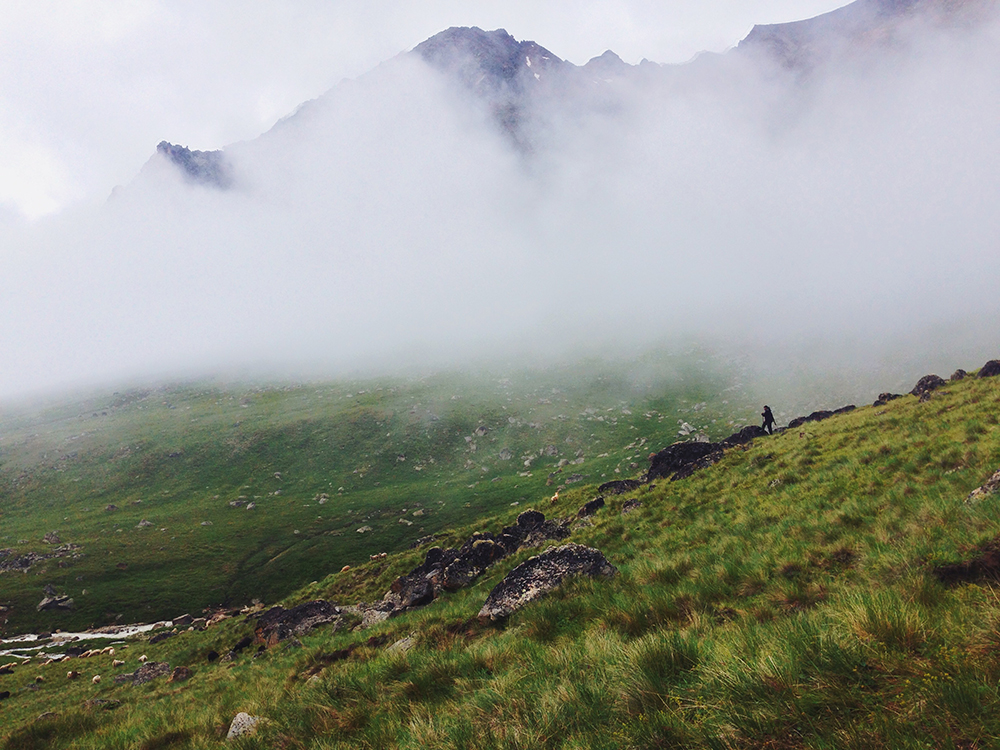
[118,663]
[72,674]
[110,651]
[143,658]
[96,679]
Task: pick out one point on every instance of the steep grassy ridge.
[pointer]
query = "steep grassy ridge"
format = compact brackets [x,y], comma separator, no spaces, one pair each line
[785,597]
[403,459]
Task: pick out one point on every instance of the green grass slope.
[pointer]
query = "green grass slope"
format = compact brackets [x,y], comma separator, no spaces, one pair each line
[401,458]
[786,597]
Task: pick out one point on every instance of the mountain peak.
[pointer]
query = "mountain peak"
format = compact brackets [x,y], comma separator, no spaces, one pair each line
[486,60]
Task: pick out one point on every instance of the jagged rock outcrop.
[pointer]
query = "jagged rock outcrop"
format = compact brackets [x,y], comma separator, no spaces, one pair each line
[677,457]
[53,602]
[452,569]
[278,623]
[926,384]
[201,167]
[542,573]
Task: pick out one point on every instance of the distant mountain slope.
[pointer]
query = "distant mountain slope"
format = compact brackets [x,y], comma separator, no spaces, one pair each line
[861,25]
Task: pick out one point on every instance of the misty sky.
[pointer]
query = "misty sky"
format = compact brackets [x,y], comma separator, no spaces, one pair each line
[841,218]
[89,87]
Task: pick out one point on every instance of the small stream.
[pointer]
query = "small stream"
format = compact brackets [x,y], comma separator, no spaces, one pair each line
[30,644]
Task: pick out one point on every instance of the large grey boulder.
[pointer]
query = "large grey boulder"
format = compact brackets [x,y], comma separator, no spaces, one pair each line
[541,574]
[243,724]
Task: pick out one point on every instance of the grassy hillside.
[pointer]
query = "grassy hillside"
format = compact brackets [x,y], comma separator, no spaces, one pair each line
[401,458]
[791,595]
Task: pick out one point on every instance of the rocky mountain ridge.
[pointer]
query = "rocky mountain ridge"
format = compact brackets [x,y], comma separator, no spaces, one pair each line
[525,86]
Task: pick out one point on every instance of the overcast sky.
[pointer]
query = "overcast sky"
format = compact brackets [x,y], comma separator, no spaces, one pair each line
[89,87]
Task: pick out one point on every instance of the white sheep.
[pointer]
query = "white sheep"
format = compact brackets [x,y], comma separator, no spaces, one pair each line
[143,658]
[96,679]
[117,663]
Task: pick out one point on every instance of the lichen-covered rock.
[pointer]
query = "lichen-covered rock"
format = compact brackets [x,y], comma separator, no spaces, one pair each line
[243,724]
[959,374]
[474,557]
[991,485]
[541,574]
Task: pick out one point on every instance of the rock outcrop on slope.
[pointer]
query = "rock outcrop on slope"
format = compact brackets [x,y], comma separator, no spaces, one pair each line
[541,574]
[452,569]
[278,624]
[201,167]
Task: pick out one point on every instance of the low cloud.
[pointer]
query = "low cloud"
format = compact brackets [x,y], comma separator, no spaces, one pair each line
[846,211]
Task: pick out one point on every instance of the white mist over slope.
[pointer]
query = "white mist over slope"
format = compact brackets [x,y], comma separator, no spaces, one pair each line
[849,209]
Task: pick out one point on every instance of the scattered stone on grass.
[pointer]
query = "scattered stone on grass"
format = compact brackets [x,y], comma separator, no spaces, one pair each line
[243,724]
[402,645]
[180,674]
[591,508]
[541,574]
[980,493]
[53,602]
[630,505]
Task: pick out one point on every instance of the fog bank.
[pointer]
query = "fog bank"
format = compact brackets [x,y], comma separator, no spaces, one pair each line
[843,217]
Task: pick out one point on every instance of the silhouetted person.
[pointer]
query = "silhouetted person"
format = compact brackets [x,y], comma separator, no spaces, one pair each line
[768,425]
